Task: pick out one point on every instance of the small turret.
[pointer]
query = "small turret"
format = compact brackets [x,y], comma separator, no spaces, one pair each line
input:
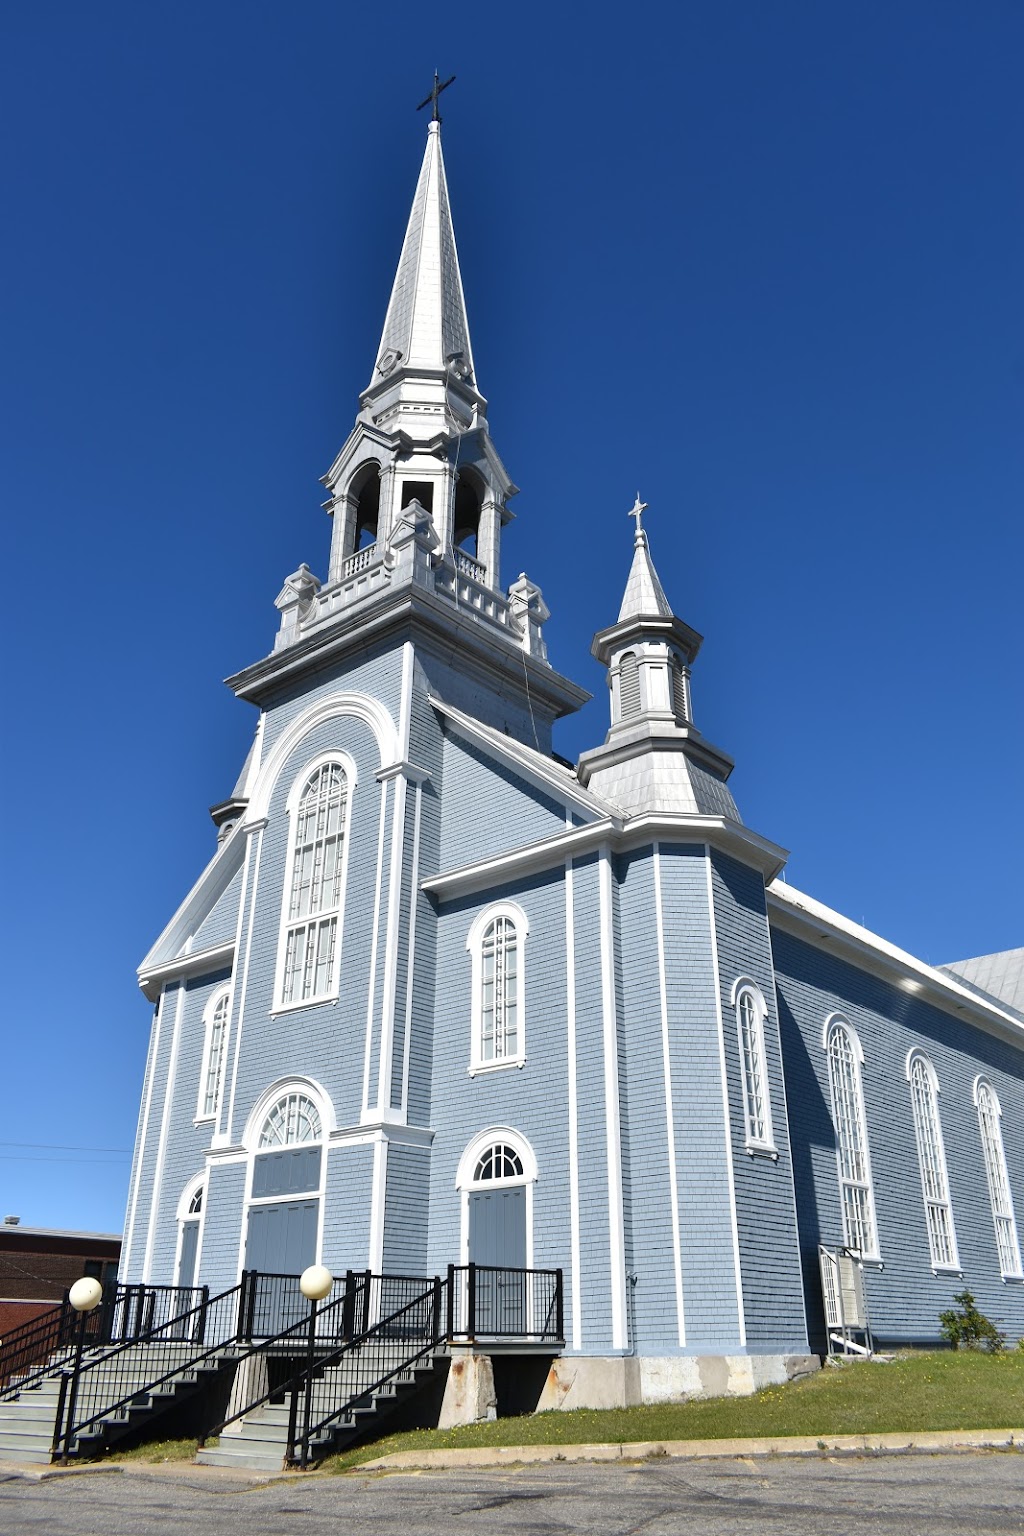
[653,757]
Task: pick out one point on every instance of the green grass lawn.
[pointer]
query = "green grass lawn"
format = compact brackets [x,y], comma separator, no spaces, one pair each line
[944,1390]
[918,1391]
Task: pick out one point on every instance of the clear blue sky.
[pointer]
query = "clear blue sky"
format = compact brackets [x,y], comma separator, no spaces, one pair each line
[761,261]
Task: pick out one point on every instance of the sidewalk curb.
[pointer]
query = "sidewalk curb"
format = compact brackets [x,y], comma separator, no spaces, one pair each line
[692,1450]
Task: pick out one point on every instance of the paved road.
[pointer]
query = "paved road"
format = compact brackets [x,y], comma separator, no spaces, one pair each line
[975,1493]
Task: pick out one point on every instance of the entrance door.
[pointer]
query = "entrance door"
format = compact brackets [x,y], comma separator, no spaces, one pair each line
[497,1242]
[280,1243]
[189,1253]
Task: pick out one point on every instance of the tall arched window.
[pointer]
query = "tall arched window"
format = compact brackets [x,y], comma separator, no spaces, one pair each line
[1005,1222]
[215,1042]
[293,1119]
[497,944]
[757,1109]
[931,1153]
[854,1160]
[310,948]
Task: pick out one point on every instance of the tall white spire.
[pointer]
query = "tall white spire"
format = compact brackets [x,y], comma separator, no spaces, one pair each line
[644,596]
[426,329]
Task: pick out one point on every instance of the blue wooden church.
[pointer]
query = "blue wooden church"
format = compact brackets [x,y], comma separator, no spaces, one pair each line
[583,1037]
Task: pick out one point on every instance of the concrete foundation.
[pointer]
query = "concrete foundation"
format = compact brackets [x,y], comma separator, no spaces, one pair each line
[623,1382]
[469,1394]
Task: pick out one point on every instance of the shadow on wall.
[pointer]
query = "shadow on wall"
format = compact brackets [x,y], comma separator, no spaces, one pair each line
[810,1127]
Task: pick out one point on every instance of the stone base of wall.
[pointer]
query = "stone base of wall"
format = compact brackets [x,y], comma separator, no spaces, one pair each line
[616,1381]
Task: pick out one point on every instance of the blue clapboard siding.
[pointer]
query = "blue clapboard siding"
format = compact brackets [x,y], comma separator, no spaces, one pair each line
[905,1297]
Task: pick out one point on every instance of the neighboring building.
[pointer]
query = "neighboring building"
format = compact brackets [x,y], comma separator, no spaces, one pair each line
[38,1265]
[439,996]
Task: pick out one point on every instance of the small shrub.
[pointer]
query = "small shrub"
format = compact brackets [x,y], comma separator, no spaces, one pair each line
[967,1328]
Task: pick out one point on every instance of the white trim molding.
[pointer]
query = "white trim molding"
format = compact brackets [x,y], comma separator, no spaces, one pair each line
[758,1126]
[466,1182]
[931,1158]
[279,1090]
[358,705]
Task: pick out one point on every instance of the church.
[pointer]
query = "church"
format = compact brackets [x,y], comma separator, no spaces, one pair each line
[442,998]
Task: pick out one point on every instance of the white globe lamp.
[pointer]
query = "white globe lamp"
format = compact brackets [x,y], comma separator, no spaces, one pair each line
[315,1282]
[86,1294]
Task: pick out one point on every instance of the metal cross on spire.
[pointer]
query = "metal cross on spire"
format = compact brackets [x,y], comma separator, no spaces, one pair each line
[439,86]
[637,510]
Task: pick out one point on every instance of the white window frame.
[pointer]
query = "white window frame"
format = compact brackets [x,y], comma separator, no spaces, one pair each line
[754,1064]
[514,914]
[197,1185]
[860,1188]
[931,1159]
[289,925]
[222,996]
[1000,1194]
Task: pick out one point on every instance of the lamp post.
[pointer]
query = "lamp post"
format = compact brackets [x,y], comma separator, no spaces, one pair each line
[314,1283]
[85,1296]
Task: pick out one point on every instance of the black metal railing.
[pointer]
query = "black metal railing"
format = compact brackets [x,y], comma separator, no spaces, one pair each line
[124,1314]
[487,1301]
[103,1384]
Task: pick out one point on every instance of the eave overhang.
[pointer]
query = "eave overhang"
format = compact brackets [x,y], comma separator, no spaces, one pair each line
[384,613]
[201,962]
[170,947]
[822,928]
[620,836]
[671,629]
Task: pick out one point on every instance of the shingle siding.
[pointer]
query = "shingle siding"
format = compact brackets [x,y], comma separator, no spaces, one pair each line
[905,1297]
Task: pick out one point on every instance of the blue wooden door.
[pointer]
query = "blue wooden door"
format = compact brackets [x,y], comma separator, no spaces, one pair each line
[497,1243]
[189,1253]
[281,1242]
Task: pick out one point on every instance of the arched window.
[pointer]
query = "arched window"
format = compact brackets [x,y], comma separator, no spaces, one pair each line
[195,1205]
[750,1015]
[466,532]
[629,686]
[215,1040]
[1000,1195]
[293,1119]
[497,944]
[310,947]
[365,491]
[854,1160]
[498,1162]
[931,1153]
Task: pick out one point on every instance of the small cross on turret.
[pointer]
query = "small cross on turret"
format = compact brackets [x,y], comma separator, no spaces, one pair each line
[435,115]
[637,510]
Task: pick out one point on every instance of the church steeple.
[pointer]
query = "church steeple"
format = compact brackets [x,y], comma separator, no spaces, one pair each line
[426,329]
[653,757]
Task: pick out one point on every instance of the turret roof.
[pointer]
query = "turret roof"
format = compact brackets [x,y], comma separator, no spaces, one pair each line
[644,597]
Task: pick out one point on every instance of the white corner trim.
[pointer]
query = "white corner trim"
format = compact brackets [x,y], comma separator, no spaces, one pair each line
[156,1190]
[572,1111]
[613,1126]
[727,1118]
[377,1202]
[670,1119]
[256,854]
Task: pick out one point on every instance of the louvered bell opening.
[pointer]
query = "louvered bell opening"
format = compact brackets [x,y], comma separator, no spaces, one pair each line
[680,693]
[629,686]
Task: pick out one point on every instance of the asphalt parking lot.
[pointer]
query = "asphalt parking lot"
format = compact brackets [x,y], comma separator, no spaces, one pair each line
[975,1492]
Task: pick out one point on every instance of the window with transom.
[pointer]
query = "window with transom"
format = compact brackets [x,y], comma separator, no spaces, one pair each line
[1003,1217]
[757,1109]
[931,1154]
[315,886]
[497,943]
[854,1159]
[215,1040]
[293,1119]
[498,1162]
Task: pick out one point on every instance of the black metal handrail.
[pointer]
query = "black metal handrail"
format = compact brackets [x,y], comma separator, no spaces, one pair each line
[421,1321]
[108,1380]
[125,1313]
[492,1302]
[349,1315]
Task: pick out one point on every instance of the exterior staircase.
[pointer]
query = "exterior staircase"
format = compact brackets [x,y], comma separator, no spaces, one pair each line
[262,1437]
[28,1421]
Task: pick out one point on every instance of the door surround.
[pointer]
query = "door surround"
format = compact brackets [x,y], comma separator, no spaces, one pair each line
[250,1140]
[466,1181]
